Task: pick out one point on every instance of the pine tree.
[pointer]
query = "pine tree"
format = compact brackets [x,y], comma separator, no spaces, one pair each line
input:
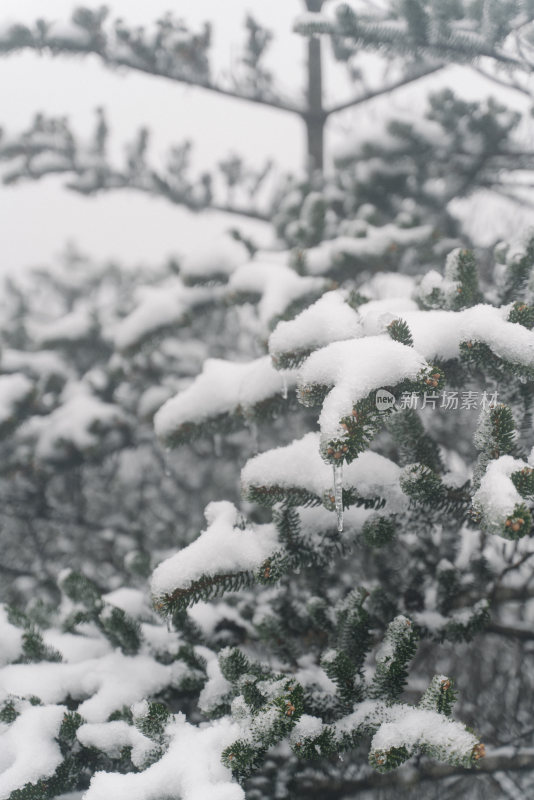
[296,635]
[89,352]
[315,636]
[470,146]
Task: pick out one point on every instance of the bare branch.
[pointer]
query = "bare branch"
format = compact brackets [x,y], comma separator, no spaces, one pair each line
[49,147]
[168,51]
[511,632]
[14,571]
[514,85]
[390,87]
[409,777]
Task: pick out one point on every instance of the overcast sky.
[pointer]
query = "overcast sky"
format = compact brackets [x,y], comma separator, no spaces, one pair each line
[37,219]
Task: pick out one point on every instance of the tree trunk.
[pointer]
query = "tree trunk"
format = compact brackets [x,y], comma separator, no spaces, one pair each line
[315,117]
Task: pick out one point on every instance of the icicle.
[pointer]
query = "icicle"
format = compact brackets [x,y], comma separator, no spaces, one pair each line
[167,468]
[217,445]
[284,386]
[338,494]
[254,436]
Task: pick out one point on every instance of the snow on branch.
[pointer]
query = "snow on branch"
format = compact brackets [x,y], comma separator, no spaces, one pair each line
[297,474]
[279,291]
[499,501]
[346,252]
[191,767]
[398,731]
[16,395]
[330,319]
[225,396]
[80,427]
[444,334]
[30,747]
[343,374]
[224,556]
[159,309]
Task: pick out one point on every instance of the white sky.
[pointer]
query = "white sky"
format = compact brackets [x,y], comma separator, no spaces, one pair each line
[36,219]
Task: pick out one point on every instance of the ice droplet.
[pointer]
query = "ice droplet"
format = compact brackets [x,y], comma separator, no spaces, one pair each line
[338,494]
[284,386]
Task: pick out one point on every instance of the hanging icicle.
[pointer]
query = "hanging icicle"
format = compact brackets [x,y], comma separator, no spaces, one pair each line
[253,428]
[338,494]
[217,445]
[166,468]
[284,386]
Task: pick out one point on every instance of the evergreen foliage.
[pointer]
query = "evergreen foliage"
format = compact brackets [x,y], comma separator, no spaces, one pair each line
[300,639]
[341,658]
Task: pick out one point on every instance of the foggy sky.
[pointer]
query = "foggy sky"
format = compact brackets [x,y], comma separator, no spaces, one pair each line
[37,219]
